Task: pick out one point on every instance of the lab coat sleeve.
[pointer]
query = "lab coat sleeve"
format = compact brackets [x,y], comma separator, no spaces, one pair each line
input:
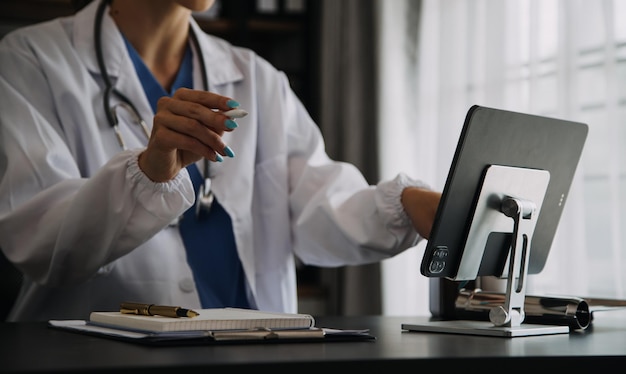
[57,224]
[339,219]
[68,231]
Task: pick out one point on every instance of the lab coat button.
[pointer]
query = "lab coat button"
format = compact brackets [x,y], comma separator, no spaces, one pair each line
[186,285]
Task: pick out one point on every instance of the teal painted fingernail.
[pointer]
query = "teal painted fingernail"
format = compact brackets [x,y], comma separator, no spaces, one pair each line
[232,104]
[229,152]
[219,158]
[231,124]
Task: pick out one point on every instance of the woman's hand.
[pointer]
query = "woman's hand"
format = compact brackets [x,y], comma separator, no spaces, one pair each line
[421,206]
[187,127]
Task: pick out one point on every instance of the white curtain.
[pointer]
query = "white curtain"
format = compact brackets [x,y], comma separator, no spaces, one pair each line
[557,58]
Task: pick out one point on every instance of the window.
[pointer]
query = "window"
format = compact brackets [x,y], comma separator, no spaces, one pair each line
[558,58]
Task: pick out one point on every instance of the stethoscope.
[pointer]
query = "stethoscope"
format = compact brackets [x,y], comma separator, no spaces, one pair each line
[205,195]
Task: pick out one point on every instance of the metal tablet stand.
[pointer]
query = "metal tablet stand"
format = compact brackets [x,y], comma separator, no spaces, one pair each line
[506,193]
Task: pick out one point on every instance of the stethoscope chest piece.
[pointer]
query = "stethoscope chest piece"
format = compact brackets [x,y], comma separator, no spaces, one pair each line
[205,198]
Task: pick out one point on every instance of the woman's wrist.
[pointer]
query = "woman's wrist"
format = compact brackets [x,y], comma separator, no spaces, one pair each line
[421,206]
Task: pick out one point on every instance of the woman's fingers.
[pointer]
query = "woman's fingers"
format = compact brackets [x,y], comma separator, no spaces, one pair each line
[187,127]
[207,108]
[206,98]
[173,131]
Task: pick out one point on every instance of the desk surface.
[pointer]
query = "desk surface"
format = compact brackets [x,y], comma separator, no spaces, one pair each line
[34,347]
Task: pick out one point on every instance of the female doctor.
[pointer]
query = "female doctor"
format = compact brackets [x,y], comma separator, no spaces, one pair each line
[112,120]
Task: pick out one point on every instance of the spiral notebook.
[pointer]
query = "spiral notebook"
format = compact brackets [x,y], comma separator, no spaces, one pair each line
[215,319]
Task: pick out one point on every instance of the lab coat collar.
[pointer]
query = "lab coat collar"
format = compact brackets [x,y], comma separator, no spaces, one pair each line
[217,57]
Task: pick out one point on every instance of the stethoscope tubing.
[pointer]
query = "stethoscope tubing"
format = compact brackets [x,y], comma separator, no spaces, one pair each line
[110,90]
[204,195]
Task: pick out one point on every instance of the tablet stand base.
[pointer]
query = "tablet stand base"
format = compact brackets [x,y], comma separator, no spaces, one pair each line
[484,328]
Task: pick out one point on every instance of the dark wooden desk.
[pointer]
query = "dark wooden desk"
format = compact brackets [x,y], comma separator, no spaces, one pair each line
[34,347]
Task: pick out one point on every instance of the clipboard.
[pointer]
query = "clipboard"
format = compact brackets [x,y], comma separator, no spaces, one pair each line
[221,337]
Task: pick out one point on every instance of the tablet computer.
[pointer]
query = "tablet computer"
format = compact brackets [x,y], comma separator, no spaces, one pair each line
[498,137]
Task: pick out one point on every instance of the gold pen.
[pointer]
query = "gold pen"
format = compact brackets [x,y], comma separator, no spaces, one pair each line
[156,310]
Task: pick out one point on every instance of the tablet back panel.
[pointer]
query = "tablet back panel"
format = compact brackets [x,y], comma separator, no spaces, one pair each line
[498,137]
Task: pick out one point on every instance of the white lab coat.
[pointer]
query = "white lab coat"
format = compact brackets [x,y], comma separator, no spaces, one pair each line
[89,229]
